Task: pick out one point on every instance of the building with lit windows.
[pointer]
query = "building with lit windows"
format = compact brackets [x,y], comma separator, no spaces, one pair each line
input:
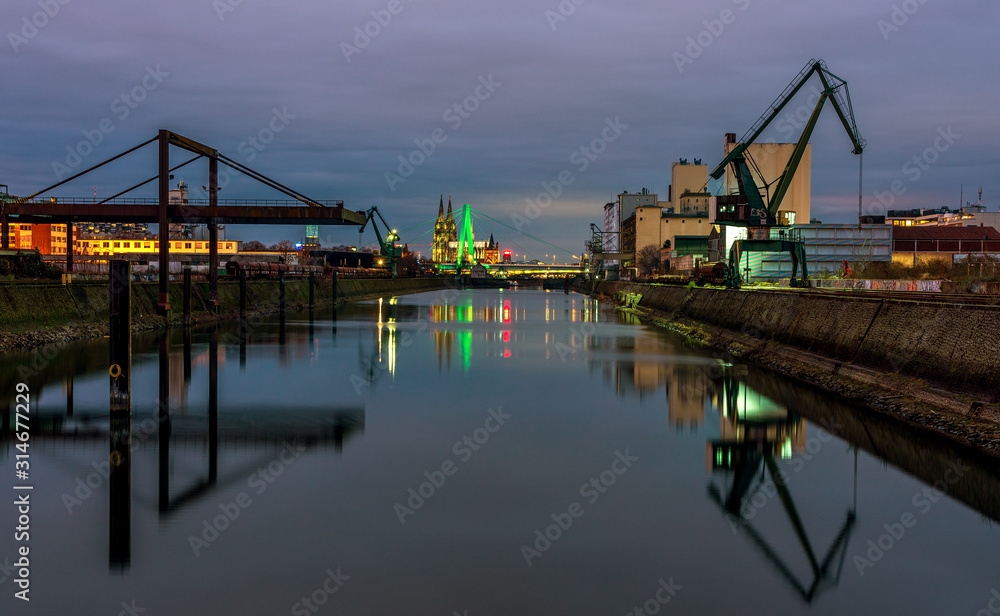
[47,239]
[113,246]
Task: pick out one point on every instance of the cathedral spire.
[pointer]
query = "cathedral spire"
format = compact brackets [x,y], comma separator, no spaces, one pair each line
[449,208]
[441,208]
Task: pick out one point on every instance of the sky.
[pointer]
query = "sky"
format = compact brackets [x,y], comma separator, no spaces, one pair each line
[535,112]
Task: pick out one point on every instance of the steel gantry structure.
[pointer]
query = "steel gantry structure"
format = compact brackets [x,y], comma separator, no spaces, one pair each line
[759,212]
[298,210]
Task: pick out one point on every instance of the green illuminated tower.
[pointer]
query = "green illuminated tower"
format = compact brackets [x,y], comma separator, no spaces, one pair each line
[466,239]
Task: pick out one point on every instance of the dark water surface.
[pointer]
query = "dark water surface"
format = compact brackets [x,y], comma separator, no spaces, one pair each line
[484,452]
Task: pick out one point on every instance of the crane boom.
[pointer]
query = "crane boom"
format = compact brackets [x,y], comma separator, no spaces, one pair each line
[387,245]
[835,90]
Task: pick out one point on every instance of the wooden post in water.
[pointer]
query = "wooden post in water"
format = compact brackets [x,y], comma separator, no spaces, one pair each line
[120,334]
[213,406]
[312,290]
[69,396]
[335,289]
[187,294]
[243,294]
[164,423]
[119,370]
[281,292]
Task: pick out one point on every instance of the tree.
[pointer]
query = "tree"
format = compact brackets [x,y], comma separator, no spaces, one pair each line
[285,247]
[253,246]
[647,259]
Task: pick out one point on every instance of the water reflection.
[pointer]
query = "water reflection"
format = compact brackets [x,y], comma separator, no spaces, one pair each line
[755,434]
[178,422]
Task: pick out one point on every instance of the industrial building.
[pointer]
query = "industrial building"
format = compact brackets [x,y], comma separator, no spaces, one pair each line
[770,160]
[925,244]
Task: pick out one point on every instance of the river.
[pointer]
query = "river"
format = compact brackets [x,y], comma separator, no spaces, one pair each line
[479,452]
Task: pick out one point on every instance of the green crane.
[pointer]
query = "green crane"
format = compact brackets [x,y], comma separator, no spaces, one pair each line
[749,208]
[388,246]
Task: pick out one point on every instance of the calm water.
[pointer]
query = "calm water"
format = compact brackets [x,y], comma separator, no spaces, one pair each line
[485,452]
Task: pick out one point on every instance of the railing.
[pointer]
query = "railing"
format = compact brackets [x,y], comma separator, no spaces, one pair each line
[195,202]
[774,233]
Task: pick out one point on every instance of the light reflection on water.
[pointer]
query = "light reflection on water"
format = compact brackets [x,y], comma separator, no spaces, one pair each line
[322,427]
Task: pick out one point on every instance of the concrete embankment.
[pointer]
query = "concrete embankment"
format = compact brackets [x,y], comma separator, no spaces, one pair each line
[35,314]
[933,365]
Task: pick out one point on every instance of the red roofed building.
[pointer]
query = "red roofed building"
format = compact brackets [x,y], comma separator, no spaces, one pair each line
[936,243]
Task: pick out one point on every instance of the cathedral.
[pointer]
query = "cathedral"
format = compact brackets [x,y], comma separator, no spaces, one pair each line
[445,249]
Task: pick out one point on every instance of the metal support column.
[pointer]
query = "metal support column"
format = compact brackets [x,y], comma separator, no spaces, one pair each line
[213,236]
[69,248]
[164,224]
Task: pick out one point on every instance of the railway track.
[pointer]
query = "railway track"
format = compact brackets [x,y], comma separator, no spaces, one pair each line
[908,296]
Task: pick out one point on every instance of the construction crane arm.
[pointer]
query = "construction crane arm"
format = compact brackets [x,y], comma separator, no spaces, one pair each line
[769,115]
[387,245]
[834,90]
[832,87]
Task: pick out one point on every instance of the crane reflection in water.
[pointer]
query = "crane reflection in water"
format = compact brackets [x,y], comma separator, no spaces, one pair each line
[757,436]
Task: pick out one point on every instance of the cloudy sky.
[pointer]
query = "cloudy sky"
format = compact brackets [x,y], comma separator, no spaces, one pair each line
[501,97]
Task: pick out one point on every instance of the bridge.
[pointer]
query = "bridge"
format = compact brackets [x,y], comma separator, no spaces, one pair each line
[297,210]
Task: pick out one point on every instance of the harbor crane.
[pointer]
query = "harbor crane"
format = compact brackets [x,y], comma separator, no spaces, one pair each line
[388,246]
[759,213]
